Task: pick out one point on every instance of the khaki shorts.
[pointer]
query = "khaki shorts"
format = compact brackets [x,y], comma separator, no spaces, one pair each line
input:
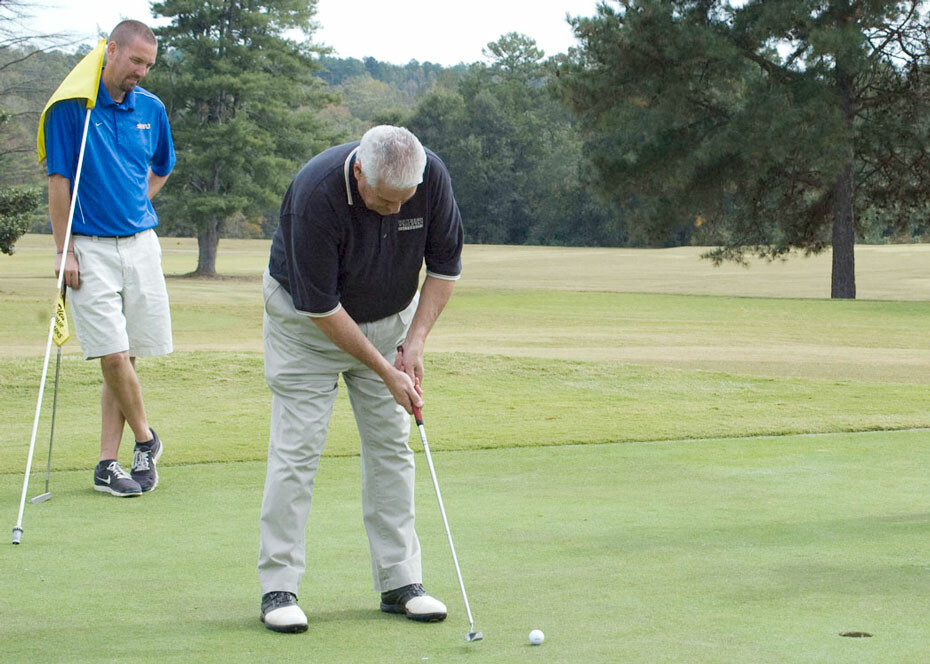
[122,302]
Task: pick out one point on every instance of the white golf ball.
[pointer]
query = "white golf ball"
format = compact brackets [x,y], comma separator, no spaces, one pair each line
[537,637]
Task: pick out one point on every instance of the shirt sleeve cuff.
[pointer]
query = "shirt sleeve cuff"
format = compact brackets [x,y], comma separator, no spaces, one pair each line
[322,315]
[59,170]
[162,171]
[443,276]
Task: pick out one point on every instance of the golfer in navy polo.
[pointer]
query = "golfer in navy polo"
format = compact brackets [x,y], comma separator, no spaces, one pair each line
[341,297]
[112,266]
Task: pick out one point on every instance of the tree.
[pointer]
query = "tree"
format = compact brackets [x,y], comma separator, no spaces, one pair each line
[242,101]
[762,126]
[16,204]
[26,81]
[513,153]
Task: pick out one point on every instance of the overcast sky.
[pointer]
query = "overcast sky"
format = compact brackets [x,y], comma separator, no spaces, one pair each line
[394,31]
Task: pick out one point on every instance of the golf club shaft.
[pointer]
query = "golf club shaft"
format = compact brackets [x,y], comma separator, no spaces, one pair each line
[442,510]
[51,435]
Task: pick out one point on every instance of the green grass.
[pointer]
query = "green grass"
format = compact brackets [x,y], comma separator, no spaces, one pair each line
[743,550]
[852,340]
[863,340]
[649,459]
[215,407]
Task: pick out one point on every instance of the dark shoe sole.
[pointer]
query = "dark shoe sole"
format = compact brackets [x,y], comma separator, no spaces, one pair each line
[284,629]
[422,617]
[427,617]
[113,492]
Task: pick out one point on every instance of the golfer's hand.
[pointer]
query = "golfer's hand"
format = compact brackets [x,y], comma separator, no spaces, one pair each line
[72,270]
[410,360]
[403,389]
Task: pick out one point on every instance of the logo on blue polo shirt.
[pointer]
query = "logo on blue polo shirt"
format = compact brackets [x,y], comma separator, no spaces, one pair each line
[143,125]
[410,224]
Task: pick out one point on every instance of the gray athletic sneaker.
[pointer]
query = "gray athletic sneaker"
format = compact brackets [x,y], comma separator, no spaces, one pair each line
[110,477]
[144,457]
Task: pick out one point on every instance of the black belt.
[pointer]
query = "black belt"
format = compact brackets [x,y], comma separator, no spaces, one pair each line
[109,237]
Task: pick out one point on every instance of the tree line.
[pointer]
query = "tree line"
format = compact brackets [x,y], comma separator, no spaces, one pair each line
[755,127]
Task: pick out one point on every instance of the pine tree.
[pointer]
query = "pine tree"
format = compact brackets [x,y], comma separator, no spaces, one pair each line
[761,126]
[514,153]
[242,101]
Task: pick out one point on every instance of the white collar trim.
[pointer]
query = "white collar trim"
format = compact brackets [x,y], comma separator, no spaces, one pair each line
[345,168]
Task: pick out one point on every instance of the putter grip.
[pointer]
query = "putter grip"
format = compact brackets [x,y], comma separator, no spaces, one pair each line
[418,415]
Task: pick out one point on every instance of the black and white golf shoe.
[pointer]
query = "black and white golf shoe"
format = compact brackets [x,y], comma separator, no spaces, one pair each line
[144,457]
[280,612]
[110,477]
[413,602]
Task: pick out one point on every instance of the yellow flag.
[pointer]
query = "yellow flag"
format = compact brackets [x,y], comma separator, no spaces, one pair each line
[81,83]
[61,333]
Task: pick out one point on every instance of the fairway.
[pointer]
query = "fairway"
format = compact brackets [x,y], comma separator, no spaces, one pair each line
[648,458]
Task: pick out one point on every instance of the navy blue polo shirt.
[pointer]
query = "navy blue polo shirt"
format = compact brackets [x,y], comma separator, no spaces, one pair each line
[123,141]
[331,251]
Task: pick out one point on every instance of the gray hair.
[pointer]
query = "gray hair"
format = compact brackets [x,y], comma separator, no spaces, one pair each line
[392,156]
[127,30]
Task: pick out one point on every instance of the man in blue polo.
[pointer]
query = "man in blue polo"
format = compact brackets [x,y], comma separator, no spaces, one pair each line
[341,297]
[119,302]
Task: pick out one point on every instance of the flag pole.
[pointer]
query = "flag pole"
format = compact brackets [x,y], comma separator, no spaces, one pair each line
[18,528]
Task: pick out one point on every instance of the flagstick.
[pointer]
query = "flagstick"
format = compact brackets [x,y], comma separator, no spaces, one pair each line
[18,528]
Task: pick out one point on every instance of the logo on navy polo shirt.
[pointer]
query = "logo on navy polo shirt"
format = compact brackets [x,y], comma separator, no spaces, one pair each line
[410,224]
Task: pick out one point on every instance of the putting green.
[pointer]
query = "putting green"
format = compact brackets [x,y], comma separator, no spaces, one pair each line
[740,550]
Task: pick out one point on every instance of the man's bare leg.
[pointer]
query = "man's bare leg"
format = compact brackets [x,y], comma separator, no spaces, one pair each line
[121,402]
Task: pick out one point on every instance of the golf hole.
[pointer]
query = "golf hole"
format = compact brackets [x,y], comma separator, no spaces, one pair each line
[856,635]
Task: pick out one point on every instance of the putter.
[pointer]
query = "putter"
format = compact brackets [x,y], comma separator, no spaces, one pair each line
[42,497]
[472,635]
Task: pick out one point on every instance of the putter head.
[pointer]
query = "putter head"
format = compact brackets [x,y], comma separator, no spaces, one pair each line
[474,636]
[41,498]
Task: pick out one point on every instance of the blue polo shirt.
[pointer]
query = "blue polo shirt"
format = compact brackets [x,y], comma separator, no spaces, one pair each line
[331,251]
[123,141]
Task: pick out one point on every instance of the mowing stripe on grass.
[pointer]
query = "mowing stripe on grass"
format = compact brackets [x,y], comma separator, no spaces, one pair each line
[213,406]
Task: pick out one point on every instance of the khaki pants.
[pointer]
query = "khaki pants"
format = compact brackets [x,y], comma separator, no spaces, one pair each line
[302,367]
